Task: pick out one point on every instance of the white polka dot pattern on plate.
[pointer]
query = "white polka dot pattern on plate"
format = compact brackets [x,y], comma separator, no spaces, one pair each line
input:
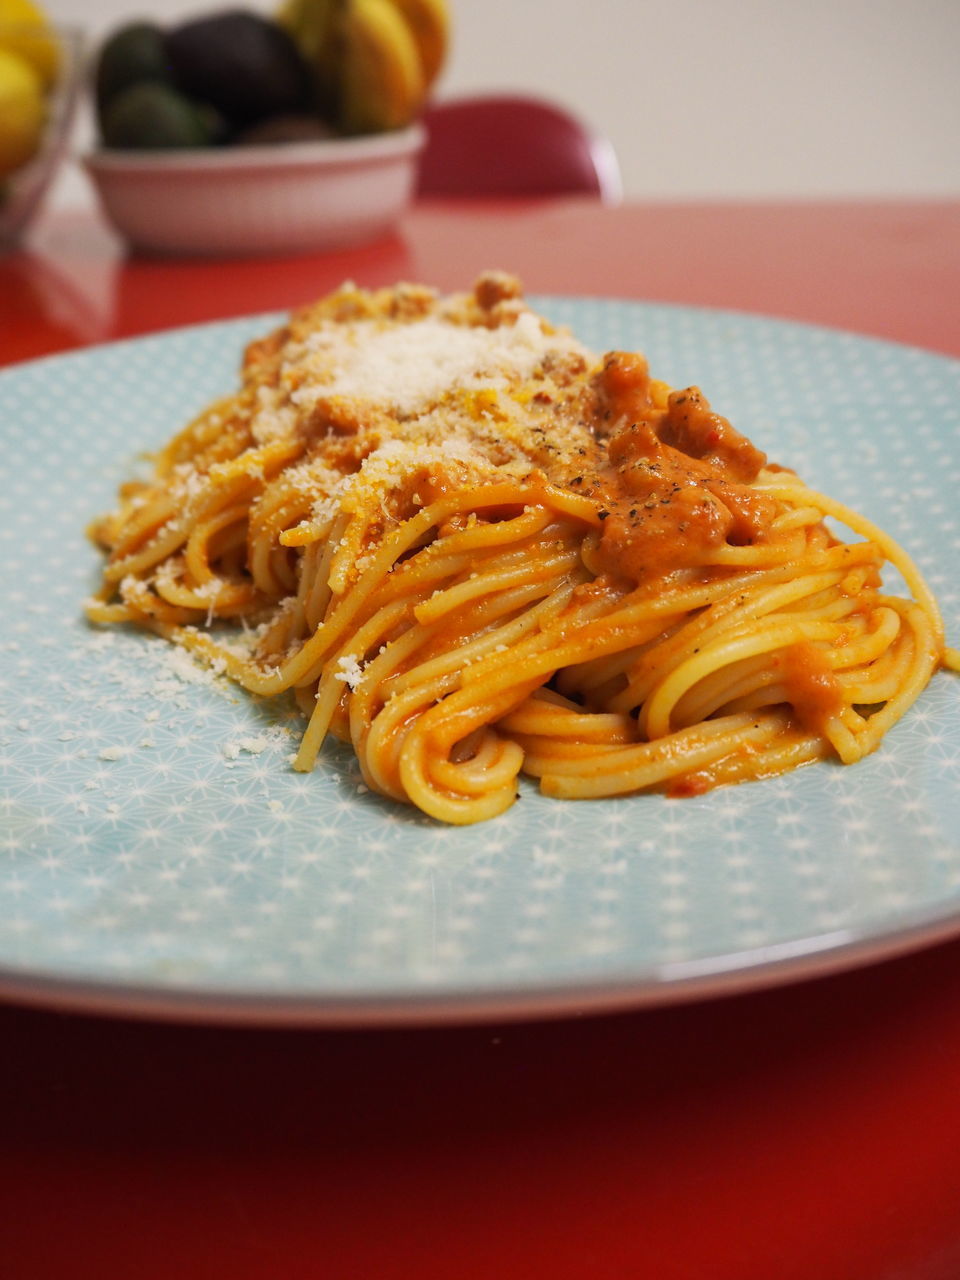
[154,839]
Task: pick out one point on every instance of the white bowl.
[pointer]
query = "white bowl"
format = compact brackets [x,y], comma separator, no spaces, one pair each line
[278,198]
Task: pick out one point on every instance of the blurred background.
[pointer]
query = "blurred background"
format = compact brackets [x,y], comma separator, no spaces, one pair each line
[745,98]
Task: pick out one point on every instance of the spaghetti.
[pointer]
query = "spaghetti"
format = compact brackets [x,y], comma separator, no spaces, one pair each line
[470,548]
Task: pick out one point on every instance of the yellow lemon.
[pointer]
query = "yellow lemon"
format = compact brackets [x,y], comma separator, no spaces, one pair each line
[25,30]
[383,84]
[22,111]
[429,22]
[374,60]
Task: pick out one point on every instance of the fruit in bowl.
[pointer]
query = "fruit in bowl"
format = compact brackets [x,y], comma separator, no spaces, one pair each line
[39,79]
[318,69]
[234,133]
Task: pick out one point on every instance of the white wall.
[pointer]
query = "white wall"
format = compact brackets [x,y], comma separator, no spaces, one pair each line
[734,98]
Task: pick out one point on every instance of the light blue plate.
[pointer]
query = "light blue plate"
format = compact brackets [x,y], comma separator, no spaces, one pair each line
[159,856]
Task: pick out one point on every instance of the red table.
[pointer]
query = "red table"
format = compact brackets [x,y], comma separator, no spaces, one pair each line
[810,1132]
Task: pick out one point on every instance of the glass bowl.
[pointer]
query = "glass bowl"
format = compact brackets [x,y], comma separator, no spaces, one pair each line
[22,191]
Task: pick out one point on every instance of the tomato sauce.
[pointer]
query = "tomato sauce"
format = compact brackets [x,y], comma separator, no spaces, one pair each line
[811,685]
[673,476]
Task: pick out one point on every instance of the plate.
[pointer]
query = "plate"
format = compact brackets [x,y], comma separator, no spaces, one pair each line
[158,855]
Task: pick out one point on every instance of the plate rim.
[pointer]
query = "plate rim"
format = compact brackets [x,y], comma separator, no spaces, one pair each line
[672,983]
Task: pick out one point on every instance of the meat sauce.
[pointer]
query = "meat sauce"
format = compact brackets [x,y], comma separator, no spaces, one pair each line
[675,482]
[674,479]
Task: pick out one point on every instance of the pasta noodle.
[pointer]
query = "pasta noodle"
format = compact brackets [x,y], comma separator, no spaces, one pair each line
[471,548]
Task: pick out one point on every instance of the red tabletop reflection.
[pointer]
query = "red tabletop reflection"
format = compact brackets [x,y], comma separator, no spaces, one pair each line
[808,1132]
[889,269]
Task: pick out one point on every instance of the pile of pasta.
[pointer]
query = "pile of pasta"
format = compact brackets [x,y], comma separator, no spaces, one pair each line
[472,548]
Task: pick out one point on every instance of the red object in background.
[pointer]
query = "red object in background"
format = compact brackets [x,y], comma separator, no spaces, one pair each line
[809,1132]
[512,145]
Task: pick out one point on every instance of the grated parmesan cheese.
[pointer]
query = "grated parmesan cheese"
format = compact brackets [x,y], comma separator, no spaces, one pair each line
[350,672]
[410,366]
